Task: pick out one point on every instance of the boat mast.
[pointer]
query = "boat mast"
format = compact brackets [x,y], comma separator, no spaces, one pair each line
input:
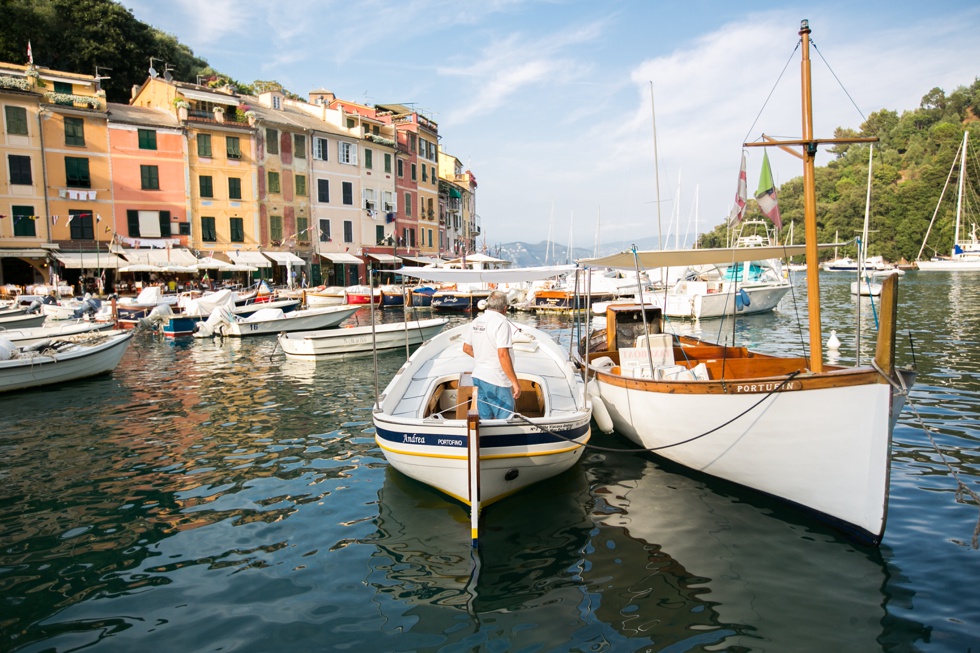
[810,207]
[959,194]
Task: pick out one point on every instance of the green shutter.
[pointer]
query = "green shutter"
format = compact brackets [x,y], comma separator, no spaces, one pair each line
[16,120]
[165,230]
[133,222]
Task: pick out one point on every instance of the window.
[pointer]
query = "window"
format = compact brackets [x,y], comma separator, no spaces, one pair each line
[20,169]
[275,227]
[301,185]
[206,185]
[208,232]
[148,224]
[401,168]
[184,228]
[387,162]
[80,224]
[348,231]
[149,178]
[320,148]
[271,141]
[234,188]
[348,189]
[237,230]
[433,168]
[276,102]
[66,89]
[350,123]
[323,191]
[76,171]
[414,172]
[379,234]
[388,205]
[204,145]
[274,182]
[302,229]
[368,199]
[24,220]
[16,120]
[347,153]
[234,147]
[408,204]
[368,158]
[430,238]
[411,142]
[425,176]
[147,139]
[324,231]
[299,146]
[74,131]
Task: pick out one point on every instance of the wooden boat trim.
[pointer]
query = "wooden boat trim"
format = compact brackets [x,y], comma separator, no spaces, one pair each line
[750,385]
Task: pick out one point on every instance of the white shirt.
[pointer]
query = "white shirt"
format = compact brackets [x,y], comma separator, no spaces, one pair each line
[488,333]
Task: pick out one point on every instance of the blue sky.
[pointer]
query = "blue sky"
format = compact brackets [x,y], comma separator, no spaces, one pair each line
[549,101]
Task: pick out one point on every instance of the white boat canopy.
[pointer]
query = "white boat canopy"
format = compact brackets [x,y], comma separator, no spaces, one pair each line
[663,258]
[511,275]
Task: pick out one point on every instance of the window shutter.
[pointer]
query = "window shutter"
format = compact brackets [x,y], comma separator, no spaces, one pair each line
[133,221]
[165,224]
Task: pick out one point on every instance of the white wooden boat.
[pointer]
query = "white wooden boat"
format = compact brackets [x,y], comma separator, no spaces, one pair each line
[353,341]
[329,296]
[61,360]
[866,288]
[815,435]
[21,321]
[427,422]
[268,321]
[34,335]
[61,311]
[428,427]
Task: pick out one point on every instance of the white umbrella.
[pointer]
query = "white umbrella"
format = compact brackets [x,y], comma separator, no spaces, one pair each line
[139,267]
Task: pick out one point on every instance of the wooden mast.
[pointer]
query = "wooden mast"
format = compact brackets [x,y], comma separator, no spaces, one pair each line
[809,145]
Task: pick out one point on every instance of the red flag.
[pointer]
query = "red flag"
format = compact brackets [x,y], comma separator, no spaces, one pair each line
[741,194]
[30,54]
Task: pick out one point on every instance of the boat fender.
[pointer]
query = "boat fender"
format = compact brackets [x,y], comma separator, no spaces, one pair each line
[6,349]
[742,299]
[599,411]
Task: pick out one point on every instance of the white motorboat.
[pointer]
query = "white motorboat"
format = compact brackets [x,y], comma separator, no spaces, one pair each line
[21,321]
[34,335]
[817,436]
[60,360]
[360,340]
[272,320]
[328,296]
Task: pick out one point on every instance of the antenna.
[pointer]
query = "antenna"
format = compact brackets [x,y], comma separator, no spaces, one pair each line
[99,77]
[152,70]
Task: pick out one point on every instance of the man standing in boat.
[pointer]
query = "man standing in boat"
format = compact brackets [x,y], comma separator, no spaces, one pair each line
[490,343]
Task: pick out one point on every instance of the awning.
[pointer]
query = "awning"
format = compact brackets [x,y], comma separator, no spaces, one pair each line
[89,260]
[160,256]
[680,257]
[385,258]
[285,258]
[453,192]
[214,98]
[23,253]
[249,258]
[341,258]
[510,275]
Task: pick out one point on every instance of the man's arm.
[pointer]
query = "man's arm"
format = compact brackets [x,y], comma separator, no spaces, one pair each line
[468,349]
[503,355]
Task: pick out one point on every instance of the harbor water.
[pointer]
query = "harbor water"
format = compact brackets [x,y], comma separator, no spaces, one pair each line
[211,495]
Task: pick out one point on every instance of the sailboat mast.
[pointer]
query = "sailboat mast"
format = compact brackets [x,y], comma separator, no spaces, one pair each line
[810,207]
[656,170]
[959,194]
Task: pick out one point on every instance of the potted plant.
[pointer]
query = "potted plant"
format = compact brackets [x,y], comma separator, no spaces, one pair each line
[219,113]
[182,108]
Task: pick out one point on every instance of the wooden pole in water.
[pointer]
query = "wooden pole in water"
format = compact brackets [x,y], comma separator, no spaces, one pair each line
[473,466]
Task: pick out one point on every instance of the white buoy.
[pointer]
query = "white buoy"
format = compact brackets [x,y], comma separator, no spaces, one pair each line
[833,343]
[599,411]
[482,304]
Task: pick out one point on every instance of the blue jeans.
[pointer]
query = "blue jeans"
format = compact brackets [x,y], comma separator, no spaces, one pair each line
[495,402]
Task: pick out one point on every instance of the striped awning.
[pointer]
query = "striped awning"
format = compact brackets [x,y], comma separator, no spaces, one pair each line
[160,256]
[23,253]
[249,258]
[384,258]
[89,260]
[285,258]
[341,258]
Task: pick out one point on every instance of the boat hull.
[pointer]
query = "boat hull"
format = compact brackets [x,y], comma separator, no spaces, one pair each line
[306,320]
[358,340]
[184,325]
[34,335]
[23,321]
[834,461]
[42,370]
[711,305]
[447,300]
[567,300]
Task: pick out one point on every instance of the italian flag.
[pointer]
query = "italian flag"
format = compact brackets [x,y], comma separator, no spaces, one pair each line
[766,194]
